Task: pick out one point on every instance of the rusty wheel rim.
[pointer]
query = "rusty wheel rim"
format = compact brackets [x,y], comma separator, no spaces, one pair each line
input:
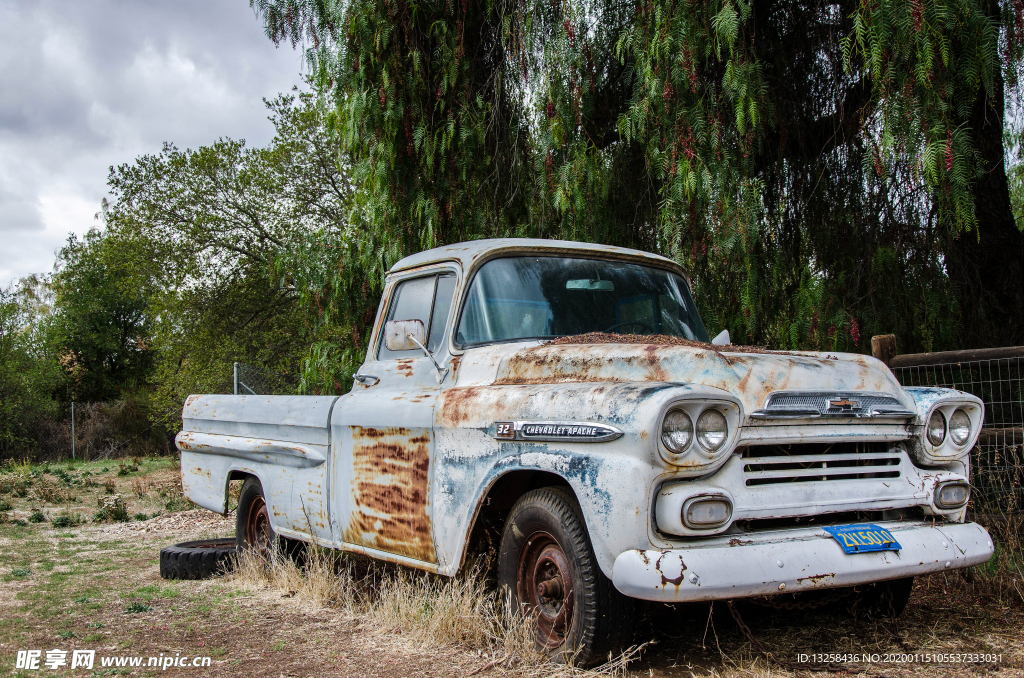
[546,588]
[257,526]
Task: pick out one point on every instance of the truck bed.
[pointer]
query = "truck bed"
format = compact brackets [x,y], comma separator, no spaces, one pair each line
[284,441]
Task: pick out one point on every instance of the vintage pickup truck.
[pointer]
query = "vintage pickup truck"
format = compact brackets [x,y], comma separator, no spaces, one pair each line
[566,397]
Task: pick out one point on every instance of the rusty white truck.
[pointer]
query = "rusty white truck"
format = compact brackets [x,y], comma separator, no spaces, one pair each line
[566,397]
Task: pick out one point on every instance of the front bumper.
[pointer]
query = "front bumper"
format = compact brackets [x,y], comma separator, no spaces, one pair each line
[790,561]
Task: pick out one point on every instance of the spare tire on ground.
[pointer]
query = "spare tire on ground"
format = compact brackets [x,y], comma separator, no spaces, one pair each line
[198,559]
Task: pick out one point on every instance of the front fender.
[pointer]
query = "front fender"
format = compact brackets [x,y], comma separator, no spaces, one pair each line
[613,481]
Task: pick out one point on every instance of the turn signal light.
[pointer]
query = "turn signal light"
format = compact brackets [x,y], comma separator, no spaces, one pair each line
[702,513]
[952,495]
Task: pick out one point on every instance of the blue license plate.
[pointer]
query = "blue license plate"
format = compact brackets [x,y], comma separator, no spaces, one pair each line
[863,538]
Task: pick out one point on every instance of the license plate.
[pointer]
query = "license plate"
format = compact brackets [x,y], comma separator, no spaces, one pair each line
[863,538]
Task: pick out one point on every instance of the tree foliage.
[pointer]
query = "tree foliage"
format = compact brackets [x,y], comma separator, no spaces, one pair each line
[203,231]
[28,376]
[825,170]
[101,327]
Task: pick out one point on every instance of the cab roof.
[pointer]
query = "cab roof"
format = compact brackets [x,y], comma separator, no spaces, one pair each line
[471,252]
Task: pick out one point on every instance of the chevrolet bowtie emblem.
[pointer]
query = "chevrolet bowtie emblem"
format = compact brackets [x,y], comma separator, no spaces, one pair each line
[843,404]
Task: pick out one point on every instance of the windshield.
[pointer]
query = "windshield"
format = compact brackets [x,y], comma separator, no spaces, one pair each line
[546,297]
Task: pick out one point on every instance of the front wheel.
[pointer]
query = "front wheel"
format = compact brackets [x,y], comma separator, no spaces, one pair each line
[252,520]
[547,563]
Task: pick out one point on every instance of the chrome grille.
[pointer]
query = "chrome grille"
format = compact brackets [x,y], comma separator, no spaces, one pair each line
[792,404]
[819,462]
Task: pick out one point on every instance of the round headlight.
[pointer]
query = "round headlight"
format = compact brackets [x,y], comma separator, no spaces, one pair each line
[677,431]
[936,428]
[712,429]
[960,427]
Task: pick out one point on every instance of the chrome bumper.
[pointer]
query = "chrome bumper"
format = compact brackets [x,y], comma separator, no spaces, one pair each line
[790,561]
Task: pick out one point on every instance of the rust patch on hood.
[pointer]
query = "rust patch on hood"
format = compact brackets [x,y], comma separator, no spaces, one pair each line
[659,340]
[390,469]
[750,377]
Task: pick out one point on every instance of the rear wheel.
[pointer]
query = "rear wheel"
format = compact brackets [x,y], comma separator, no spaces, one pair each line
[252,520]
[547,564]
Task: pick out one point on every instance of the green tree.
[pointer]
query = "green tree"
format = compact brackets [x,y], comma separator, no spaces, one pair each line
[203,232]
[825,170]
[28,374]
[101,329]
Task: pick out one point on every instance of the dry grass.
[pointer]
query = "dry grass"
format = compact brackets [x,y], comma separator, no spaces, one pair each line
[50,492]
[139,487]
[435,611]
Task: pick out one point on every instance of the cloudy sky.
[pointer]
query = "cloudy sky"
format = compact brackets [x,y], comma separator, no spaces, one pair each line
[86,84]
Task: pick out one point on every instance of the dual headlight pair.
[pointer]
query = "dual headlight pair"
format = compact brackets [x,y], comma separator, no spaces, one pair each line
[958,428]
[677,430]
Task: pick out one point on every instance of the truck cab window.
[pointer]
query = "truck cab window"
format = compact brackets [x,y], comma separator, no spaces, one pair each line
[426,299]
[442,307]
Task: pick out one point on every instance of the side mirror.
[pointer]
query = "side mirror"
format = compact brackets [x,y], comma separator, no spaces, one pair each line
[396,335]
[722,339]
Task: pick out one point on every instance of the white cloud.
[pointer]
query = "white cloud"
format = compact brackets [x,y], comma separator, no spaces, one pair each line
[87,85]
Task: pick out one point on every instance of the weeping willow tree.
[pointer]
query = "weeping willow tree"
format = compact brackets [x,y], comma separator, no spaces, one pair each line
[826,170]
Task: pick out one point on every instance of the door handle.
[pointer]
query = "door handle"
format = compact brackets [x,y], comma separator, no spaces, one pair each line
[364,378]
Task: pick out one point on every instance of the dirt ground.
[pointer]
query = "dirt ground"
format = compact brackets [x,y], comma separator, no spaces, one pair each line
[97,586]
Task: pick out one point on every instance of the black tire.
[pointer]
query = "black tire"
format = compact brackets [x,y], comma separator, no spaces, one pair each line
[200,559]
[252,520]
[544,543]
[884,600]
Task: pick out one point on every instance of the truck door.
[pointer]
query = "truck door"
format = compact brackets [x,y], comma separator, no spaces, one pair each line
[383,433]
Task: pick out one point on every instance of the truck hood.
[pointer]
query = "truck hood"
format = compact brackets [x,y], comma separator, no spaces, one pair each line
[750,377]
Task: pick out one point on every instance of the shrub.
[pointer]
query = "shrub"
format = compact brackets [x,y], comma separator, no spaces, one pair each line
[109,486]
[37,516]
[139,487]
[178,503]
[140,517]
[14,483]
[52,493]
[112,510]
[66,520]
[5,505]
[125,470]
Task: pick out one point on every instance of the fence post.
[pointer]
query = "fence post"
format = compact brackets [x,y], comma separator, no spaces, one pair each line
[236,378]
[883,347]
[72,429]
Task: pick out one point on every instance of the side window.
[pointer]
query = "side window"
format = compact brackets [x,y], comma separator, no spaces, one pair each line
[442,307]
[426,299]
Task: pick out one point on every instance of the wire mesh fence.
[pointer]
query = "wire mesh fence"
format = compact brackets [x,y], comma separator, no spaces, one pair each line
[91,431]
[252,380]
[997,461]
